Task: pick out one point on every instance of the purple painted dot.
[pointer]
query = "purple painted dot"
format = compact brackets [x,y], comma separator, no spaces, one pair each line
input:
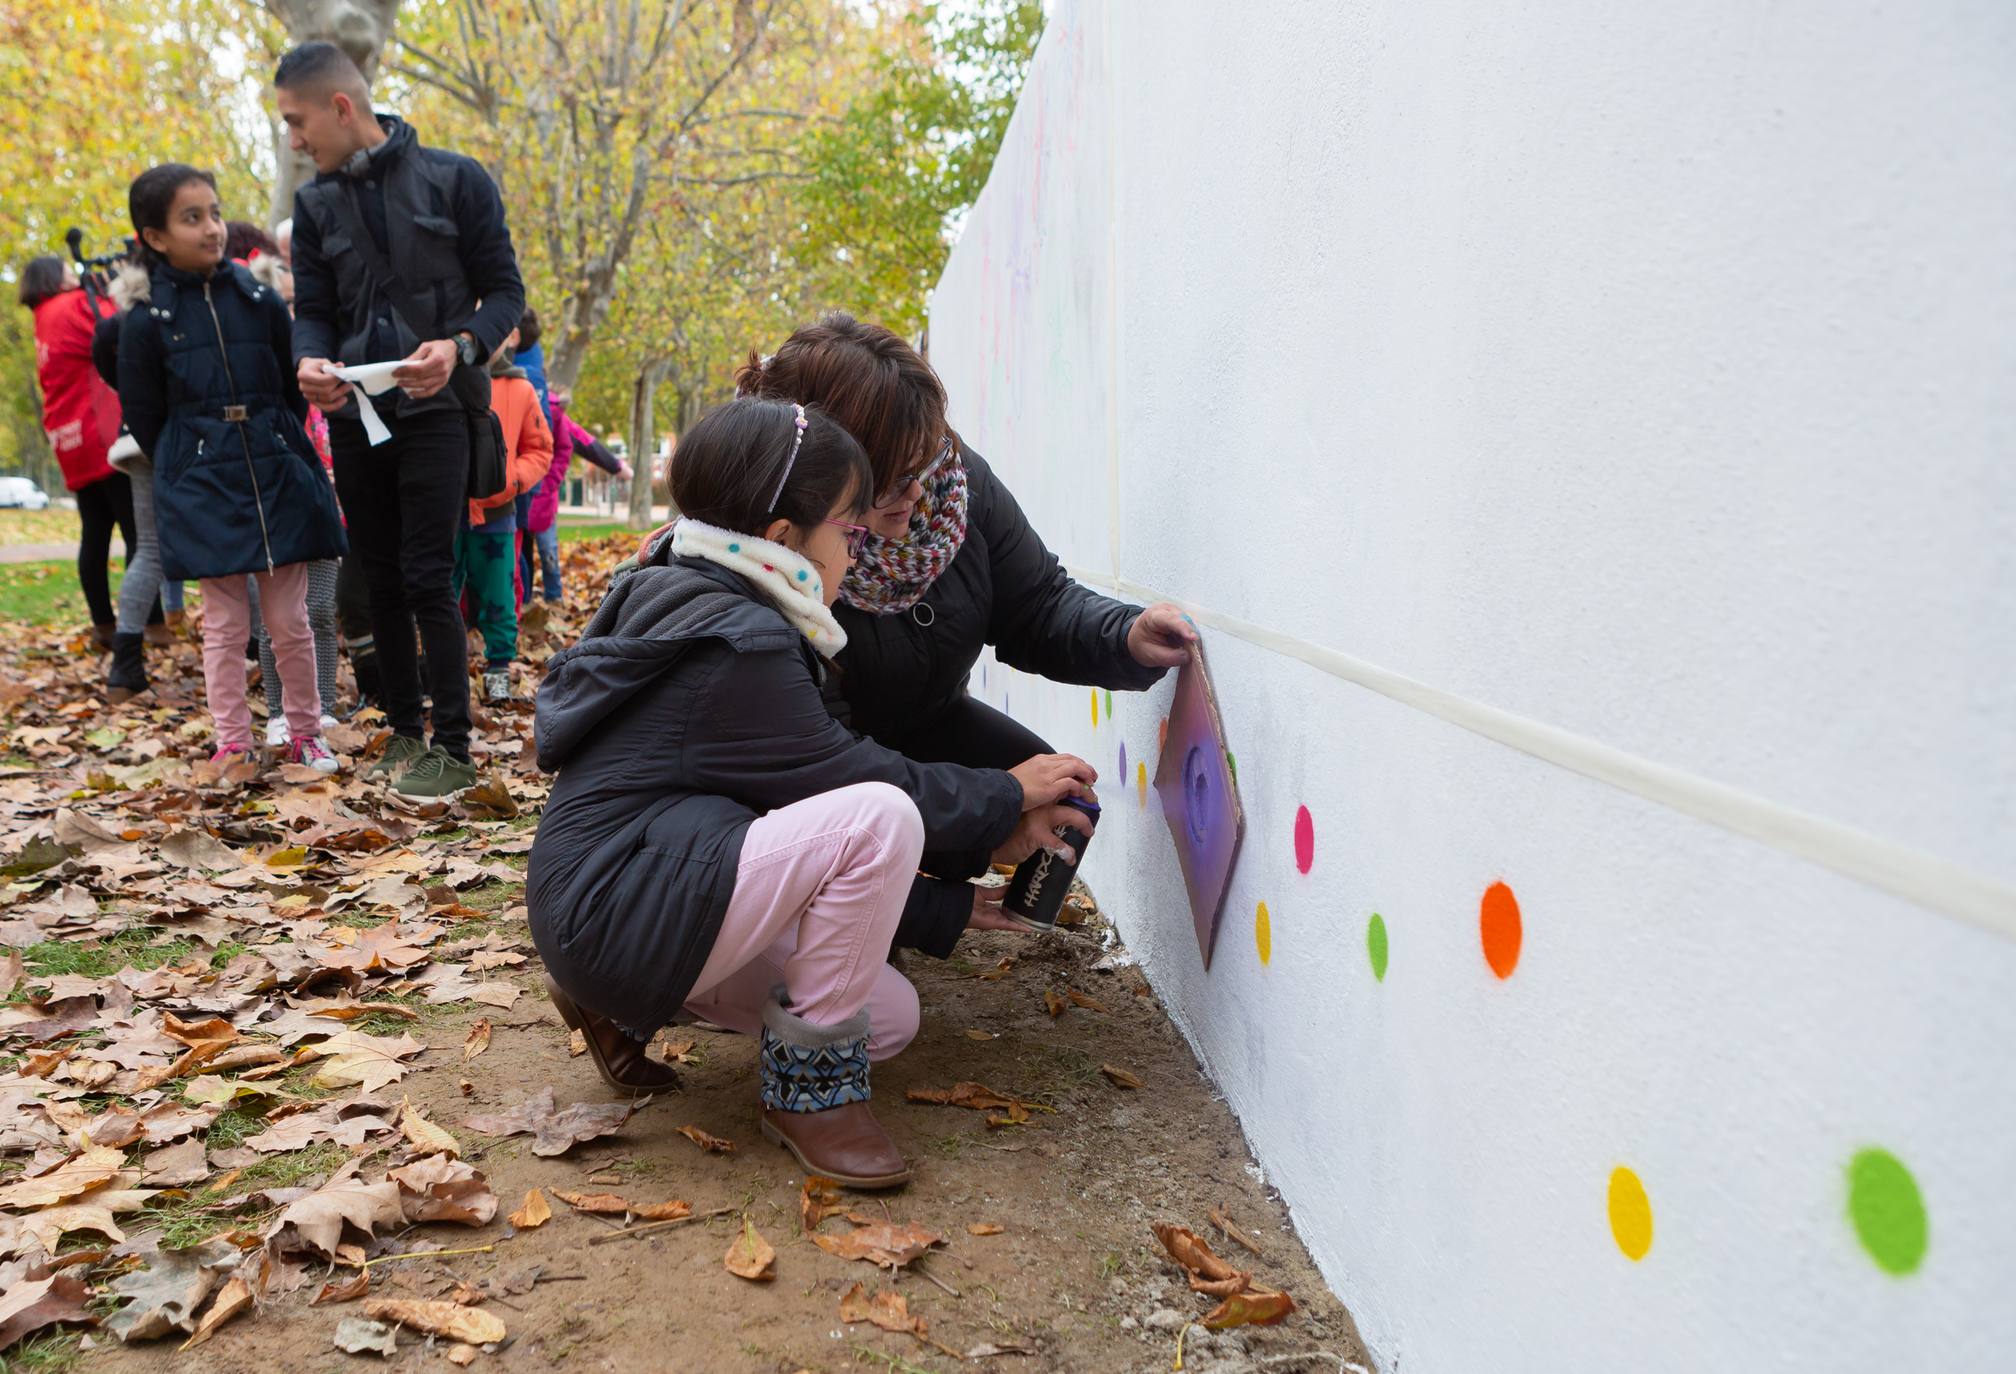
[1123,758]
[1305,839]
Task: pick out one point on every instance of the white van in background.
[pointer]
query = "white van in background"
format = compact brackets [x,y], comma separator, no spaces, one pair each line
[21,493]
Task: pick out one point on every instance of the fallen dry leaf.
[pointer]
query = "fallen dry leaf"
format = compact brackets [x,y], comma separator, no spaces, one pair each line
[478,1040]
[471,1324]
[1192,1252]
[1086,1001]
[883,1242]
[712,1144]
[1119,1077]
[443,1188]
[1221,1218]
[982,1228]
[577,1044]
[369,1061]
[317,1220]
[751,1257]
[424,1136]
[167,1290]
[489,799]
[884,1308]
[462,1354]
[818,1200]
[356,1336]
[555,1132]
[344,1290]
[33,1304]
[1257,1308]
[89,1168]
[234,1297]
[610,1203]
[534,1212]
[998,972]
[1052,1002]
[981,1035]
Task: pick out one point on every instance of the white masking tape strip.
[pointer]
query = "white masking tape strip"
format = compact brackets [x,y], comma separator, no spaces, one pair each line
[1929,881]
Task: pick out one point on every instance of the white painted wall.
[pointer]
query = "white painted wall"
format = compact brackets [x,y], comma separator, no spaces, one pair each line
[1636,385]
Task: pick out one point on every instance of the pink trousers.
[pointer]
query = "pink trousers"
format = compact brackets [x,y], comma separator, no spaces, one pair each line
[227,625]
[818,895]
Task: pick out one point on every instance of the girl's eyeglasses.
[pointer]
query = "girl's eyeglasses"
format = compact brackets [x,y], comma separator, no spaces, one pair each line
[857,536]
[895,493]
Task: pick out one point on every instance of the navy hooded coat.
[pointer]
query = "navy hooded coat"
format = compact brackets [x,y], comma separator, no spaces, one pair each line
[207,387]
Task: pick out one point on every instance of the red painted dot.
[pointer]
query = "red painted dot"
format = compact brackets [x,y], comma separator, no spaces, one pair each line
[1499,927]
[1305,839]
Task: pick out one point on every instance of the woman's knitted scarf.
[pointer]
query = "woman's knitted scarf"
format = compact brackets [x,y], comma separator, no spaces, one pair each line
[892,575]
[784,575]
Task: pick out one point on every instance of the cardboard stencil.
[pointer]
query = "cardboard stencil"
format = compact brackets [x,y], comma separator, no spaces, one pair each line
[1200,797]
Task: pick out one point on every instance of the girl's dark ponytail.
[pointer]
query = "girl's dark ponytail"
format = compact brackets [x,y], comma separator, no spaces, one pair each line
[150,198]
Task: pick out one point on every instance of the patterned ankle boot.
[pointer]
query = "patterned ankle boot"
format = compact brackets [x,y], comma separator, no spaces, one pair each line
[815,1100]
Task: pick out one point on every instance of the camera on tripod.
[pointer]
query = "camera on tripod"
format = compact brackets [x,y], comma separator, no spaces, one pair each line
[95,272]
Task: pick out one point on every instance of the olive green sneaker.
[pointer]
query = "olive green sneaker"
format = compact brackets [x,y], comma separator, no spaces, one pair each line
[436,773]
[399,751]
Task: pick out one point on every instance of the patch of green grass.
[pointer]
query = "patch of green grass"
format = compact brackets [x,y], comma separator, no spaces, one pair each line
[591,530]
[232,1126]
[182,1222]
[46,593]
[132,948]
[226,952]
[1058,1068]
[948,1147]
[52,1352]
[493,894]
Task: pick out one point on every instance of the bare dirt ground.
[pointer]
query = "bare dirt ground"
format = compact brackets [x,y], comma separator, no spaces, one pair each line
[1073,1279]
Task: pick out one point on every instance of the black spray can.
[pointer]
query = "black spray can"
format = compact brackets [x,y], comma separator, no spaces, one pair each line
[1036,893]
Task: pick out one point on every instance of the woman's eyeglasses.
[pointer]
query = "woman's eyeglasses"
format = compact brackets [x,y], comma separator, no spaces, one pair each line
[857,536]
[895,493]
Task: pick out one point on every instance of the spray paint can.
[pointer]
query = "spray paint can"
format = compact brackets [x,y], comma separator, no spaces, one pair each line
[1036,893]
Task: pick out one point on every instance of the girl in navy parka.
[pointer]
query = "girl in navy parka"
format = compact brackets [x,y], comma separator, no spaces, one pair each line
[207,384]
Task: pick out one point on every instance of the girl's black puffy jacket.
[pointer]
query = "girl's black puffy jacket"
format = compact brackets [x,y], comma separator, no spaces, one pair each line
[207,386]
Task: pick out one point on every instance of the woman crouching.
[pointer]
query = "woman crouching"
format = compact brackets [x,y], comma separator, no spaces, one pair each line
[716,842]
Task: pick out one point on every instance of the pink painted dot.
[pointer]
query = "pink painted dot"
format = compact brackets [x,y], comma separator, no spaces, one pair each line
[1305,839]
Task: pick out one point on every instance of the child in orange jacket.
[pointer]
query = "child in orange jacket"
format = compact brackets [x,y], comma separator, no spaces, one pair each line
[486,550]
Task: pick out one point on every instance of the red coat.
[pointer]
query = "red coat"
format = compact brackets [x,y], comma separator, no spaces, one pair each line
[80,412]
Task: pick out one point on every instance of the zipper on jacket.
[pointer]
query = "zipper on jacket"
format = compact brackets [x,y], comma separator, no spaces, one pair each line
[244,439]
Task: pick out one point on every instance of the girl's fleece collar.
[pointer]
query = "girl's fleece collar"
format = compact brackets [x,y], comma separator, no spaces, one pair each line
[785,576]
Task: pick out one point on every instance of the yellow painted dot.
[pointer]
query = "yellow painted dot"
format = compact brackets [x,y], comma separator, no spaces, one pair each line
[1141,783]
[1630,1213]
[1095,708]
[1263,933]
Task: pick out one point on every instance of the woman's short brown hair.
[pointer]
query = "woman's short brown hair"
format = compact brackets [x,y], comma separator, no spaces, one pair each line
[867,378]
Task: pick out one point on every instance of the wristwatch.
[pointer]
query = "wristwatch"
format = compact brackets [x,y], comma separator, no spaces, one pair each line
[465,344]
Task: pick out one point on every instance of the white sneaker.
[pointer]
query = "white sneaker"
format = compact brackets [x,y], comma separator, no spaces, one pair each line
[328,722]
[497,685]
[312,752]
[276,732]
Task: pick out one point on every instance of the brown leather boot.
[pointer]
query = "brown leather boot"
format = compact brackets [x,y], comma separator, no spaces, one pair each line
[625,1064]
[815,1100]
[160,636]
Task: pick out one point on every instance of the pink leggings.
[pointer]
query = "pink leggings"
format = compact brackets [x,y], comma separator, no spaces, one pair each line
[227,626]
[818,895]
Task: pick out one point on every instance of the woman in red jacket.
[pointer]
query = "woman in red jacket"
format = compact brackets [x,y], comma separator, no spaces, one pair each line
[81,415]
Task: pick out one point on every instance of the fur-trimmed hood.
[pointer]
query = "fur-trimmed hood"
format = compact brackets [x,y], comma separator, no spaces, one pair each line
[130,285]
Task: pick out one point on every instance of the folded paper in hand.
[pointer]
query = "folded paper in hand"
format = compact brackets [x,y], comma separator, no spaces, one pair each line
[370,379]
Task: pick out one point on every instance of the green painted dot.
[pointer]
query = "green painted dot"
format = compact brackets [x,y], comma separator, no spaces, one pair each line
[1109,706]
[1888,1211]
[1232,762]
[1375,945]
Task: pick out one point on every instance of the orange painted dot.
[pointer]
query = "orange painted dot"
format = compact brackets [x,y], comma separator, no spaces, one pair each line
[1141,783]
[1498,924]
[1162,736]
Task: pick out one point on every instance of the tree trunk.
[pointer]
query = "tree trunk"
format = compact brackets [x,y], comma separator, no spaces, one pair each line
[643,448]
[359,27]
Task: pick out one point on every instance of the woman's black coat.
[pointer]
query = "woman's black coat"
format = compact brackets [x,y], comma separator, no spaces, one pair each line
[207,387]
[689,707]
[899,672]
